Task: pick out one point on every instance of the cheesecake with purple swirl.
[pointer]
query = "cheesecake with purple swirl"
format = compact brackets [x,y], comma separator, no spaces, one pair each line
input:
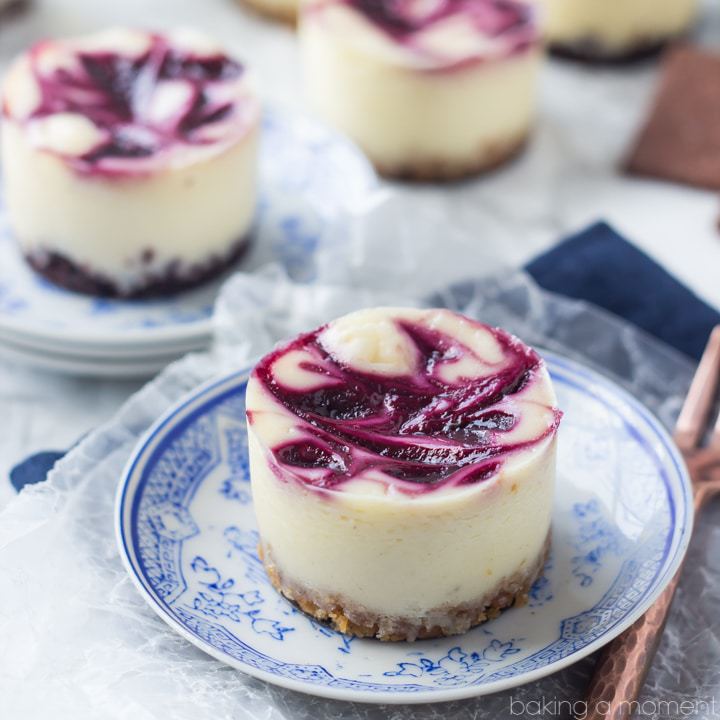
[429,89]
[129,160]
[615,30]
[402,464]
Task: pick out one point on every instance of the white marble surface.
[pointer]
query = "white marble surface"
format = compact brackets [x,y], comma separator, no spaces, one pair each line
[566,180]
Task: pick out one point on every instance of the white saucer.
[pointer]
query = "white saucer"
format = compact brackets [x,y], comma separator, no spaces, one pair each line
[91,353]
[187,533]
[85,367]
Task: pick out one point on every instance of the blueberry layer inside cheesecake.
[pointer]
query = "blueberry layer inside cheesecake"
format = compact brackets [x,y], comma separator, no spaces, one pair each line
[129,158]
[402,464]
[430,89]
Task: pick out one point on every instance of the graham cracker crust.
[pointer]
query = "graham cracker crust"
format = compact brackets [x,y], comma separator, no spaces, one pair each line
[489,158]
[593,52]
[284,15]
[352,619]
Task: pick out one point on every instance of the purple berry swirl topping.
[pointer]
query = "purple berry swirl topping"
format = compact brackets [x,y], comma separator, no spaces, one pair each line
[403,400]
[401,18]
[128,102]
[440,33]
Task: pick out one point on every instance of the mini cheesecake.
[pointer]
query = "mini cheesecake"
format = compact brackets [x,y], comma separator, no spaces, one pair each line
[429,89]
[402,466]
[607,30]
[129,160]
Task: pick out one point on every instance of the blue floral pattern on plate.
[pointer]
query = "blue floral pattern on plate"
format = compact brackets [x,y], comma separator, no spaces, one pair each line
[309,176]
[621,524]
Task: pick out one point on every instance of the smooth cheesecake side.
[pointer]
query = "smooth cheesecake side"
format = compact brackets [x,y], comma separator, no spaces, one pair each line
[428,94]
[615,29]
[403,467]
[129,160]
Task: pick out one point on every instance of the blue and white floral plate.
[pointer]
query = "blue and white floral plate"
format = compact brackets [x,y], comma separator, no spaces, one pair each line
[309,175]
[187,534]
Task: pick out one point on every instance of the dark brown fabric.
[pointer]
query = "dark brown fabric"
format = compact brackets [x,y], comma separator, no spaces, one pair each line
[680,140]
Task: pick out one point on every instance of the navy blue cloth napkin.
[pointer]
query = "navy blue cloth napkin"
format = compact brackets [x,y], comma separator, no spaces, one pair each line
[596,265]
[35,468]
[599,266]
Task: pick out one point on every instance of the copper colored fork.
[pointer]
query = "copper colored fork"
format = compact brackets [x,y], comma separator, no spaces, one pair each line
[623,664]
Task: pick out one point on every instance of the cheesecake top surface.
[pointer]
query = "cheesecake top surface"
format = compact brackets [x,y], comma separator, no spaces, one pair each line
[126,101]
[431,34]
[402,402]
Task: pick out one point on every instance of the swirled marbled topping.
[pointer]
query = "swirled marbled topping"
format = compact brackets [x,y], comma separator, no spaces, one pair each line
[432,34]
[127,101]
[400,399]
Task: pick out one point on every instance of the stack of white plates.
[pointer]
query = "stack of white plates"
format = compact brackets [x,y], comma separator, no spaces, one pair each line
[309,175]
[54,330]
